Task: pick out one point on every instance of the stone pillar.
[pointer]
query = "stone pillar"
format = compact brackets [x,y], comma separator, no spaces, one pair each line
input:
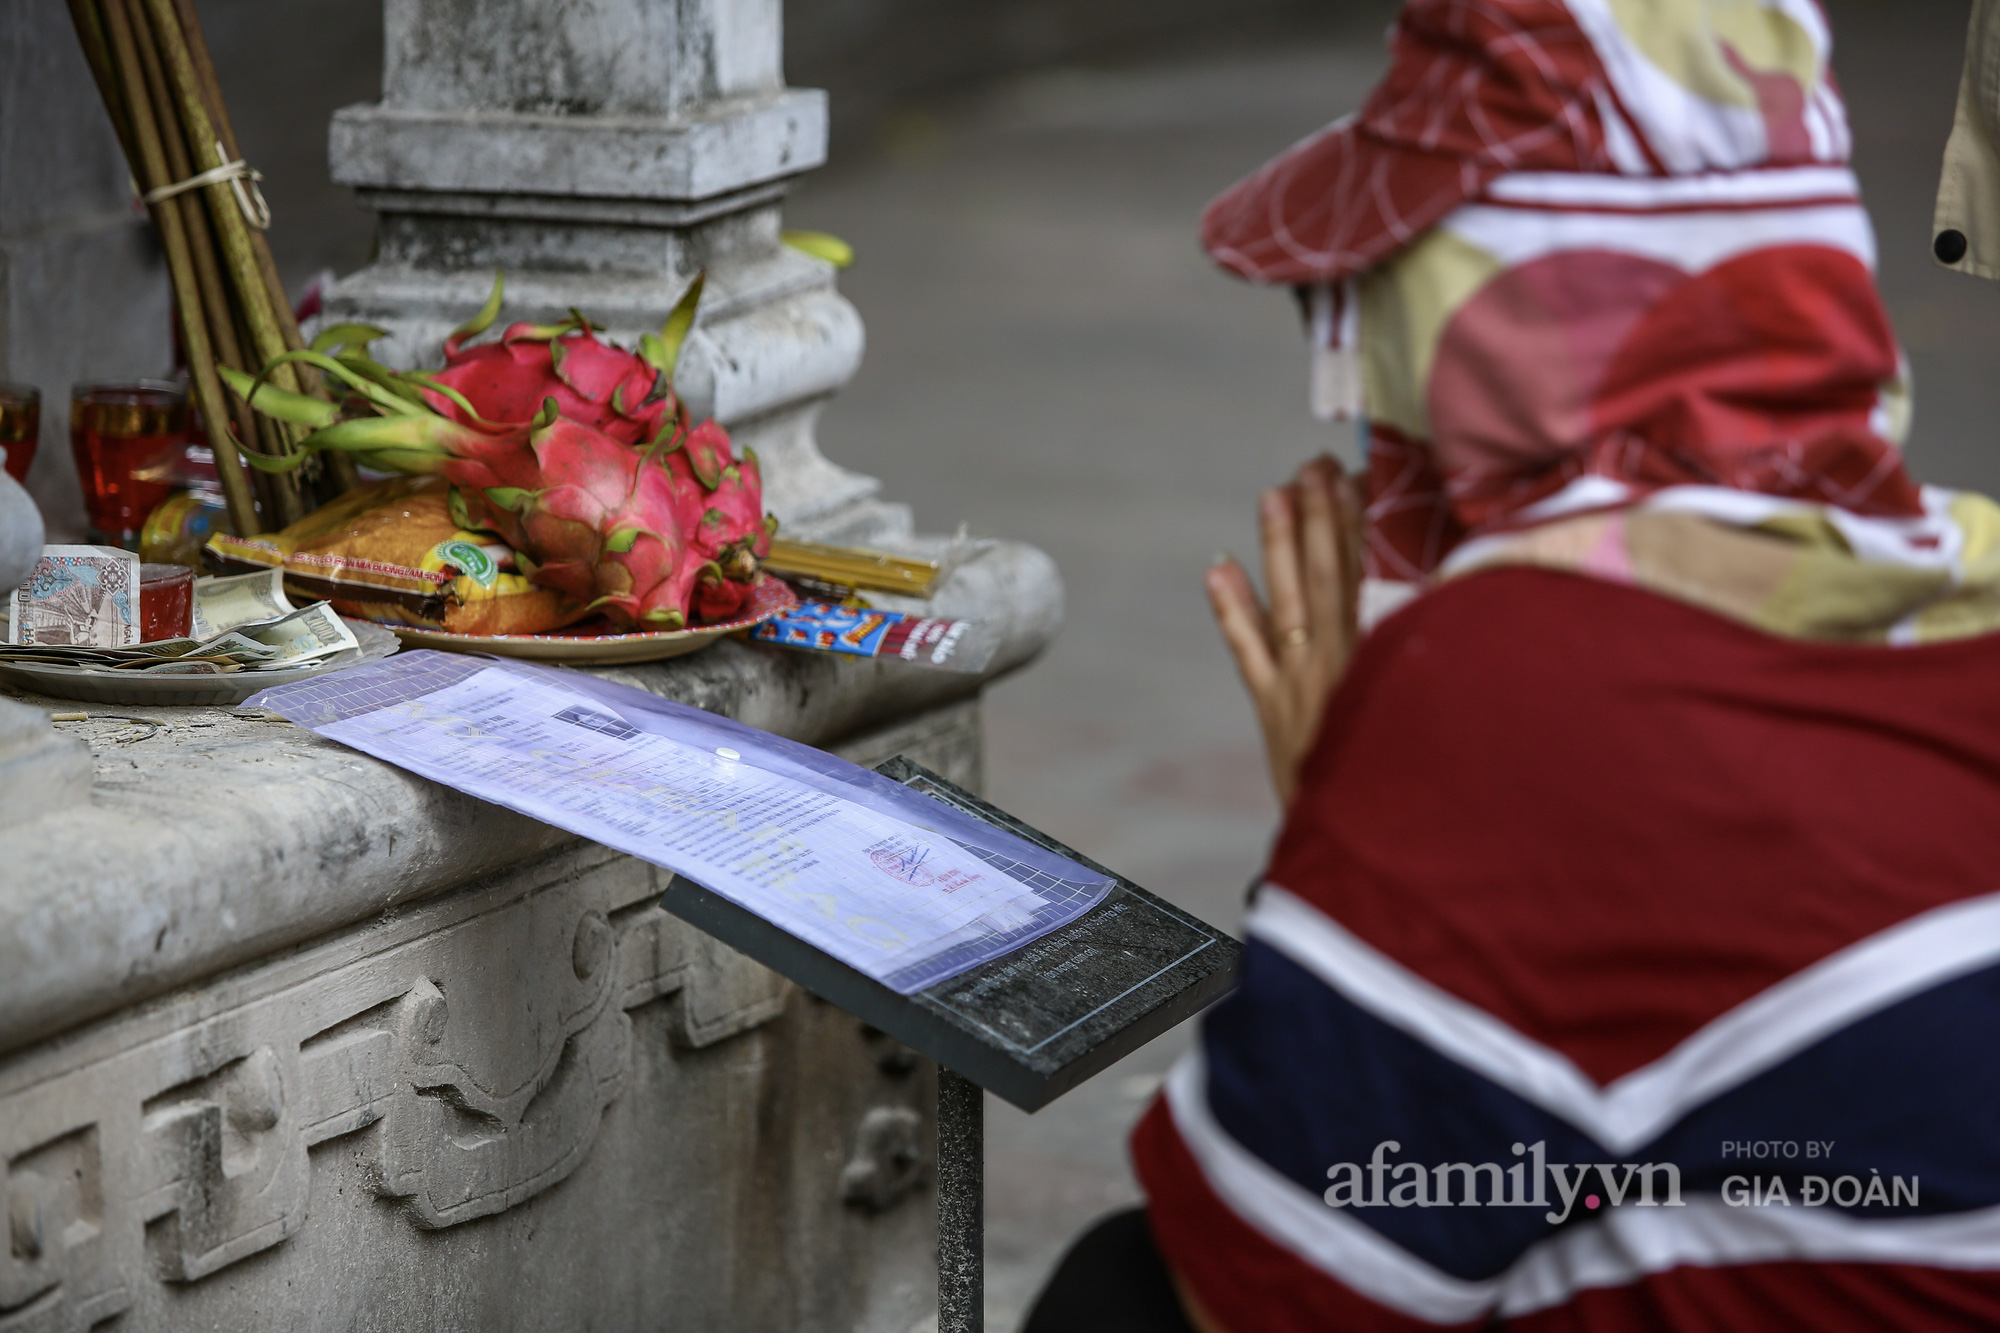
[83,290]
[602,152]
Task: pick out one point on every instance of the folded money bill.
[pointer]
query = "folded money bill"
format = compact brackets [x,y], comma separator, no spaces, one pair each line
[77,596]
[225,603]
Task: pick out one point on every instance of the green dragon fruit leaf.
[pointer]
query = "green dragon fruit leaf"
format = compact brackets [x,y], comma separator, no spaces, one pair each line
[665,618]
[339,337]
[820,245]
[770,525]
[454,504]
[409,462]
[409,445]
[270,463]
[538,333]
[376,393]
[509,498]
[383,378]
[664,443]
[420,441]
[480,322]
[280,403]
[622,540]
[663,352]
[547,416]
[705,462]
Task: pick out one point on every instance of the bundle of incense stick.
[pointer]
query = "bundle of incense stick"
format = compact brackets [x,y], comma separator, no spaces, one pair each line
[159,87]
[853,567]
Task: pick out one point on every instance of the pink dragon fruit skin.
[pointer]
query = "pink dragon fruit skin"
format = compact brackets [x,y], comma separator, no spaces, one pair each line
[721,502]
[595,383]
[603,526]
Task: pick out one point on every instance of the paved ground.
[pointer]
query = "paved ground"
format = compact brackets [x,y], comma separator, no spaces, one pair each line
[1051,358]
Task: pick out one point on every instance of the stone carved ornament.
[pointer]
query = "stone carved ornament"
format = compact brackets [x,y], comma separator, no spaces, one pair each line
[482,1035]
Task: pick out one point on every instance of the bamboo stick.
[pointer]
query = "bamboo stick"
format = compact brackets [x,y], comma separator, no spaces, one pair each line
[211,89]
[283,490]
[194,218]
[97,54]
[341,467]
[253,297]
[245,272]
[345,477]
[151,166]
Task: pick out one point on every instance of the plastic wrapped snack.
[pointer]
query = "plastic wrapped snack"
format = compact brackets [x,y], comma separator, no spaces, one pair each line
[391,552]
[954,645]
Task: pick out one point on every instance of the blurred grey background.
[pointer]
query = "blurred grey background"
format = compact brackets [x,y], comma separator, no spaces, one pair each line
[1051,358]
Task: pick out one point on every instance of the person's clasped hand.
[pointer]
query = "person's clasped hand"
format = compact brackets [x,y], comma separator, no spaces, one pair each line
[1292,653]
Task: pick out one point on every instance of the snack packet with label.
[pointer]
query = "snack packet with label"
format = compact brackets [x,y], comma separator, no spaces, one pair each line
[393,552]
[952,645]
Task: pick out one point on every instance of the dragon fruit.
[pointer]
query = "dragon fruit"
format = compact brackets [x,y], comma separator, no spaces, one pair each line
[576,452]
[628,396]
[720,502]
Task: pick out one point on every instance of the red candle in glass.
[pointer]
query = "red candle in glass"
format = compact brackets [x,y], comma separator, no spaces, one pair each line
[20,427]
[166,602]
[130,439]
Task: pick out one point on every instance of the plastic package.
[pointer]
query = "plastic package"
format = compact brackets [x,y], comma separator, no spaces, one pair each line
[950,645]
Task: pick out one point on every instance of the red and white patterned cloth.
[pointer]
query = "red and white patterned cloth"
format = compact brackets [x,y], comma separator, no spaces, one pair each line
[1588,889]
[1587,242]
[1479,88]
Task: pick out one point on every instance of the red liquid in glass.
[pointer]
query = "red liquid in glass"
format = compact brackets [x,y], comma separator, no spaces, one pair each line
[20,457]
[119,477]
[129,441]
[20,428]
[166,602]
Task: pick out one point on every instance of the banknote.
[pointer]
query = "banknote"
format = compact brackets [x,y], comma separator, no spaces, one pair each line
[296,638]
[293,640]
[224,603]
[77,596]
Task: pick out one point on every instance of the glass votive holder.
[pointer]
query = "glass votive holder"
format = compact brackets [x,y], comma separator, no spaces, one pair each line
[20,427]
[166,602]
[130,440]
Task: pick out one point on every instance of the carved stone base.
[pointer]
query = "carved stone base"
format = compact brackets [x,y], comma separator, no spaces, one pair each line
[537,1101]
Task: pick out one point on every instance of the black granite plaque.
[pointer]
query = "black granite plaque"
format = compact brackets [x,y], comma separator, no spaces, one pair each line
[1034,1023]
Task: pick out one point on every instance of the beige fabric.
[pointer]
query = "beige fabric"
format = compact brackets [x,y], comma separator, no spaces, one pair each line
[1969,190]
